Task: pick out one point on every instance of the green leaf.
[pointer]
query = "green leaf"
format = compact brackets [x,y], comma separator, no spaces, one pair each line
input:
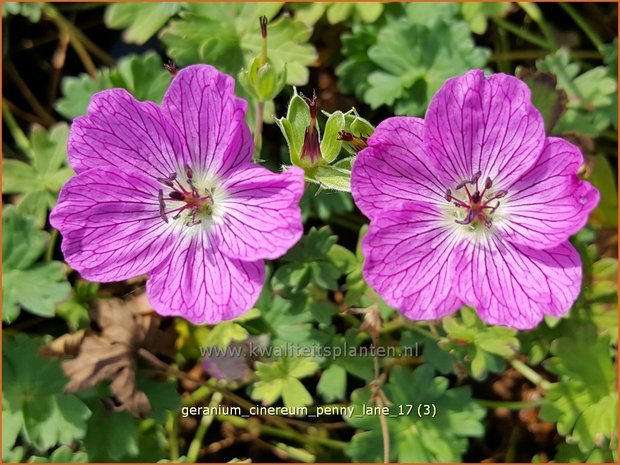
[39,181]
[403,62]
[469,339]
[281,379]
[162,395]
[333,383]
[140,20]
[324,204]
[442,438]
[63,454]
[31,10]
[366,12]
[604,179]
[584,400]
[550,101]
[111,436]
[286,322]
[414,61]
[477,14]
[590,94]
[353,71]
[227,35]
[143,76]
[35,287]
[33,401]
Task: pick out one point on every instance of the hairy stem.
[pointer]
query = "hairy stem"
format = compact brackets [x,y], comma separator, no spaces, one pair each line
[523,34]
[194,447]
[258,130]
[530,374]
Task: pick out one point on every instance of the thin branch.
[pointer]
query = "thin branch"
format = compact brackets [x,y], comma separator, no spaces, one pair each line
[582,23]
[523,34]
[28,95]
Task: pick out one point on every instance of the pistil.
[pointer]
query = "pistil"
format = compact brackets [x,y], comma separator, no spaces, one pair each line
[476,204]
[192,200]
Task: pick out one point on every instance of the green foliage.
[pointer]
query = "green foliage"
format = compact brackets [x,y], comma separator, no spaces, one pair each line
[37,287]
[39,181]
[394,57]
[140,20]
[111,436]
[479,346]
[590,94]
[316,259]
[584,401]
[604,178]
[477,14]
[404,62]
[551,102]
[33,404]
[227,35]
[31,10]
[63,454]
[311,12]
[442,438]
[324,204]
[281,379]
[144,76]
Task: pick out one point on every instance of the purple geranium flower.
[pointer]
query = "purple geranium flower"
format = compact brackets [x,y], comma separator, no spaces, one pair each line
[171,191]
[473,205]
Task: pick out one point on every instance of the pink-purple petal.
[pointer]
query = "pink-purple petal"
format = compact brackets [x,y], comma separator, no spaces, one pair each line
[514,285]
[549,203]
[119,131]
[110,224]
[394,167]
[201,103]
[262,217]
[484,124]
[199,283]
[406,261]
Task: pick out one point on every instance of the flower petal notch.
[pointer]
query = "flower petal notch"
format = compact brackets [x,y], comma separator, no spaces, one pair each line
[473,205]
[171,191]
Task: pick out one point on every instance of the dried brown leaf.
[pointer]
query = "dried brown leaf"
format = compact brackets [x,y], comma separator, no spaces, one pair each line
[108,352]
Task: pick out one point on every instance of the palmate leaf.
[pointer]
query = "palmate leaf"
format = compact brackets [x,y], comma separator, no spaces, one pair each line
[584,401]
[35,287]
[143,76]
[281,379]
[227,35]
[34,406]
[591,94]
[37,183]
[407,59]
[414,439]
[482,347]
[140,20]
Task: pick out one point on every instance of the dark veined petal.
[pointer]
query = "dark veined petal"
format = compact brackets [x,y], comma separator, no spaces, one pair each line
[199,283]
[201,104]
[110,224]
[483,124]
[514,285]
[261,213]
[119,131]
[406,261]
[395,167]
[549,203]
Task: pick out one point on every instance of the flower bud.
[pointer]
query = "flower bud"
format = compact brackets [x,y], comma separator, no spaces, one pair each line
[262,80]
